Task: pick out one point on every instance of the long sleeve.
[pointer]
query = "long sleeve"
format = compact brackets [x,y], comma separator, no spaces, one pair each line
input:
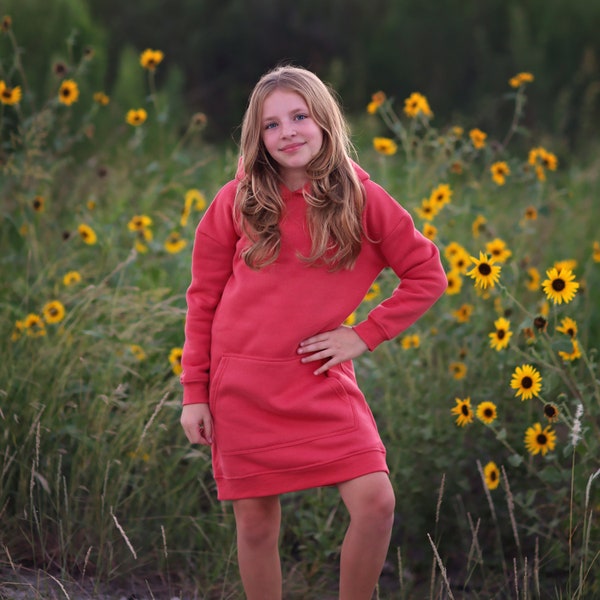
[413,258]
[212,260]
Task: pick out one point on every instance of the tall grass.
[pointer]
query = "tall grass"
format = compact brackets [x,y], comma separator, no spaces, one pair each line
[98,487]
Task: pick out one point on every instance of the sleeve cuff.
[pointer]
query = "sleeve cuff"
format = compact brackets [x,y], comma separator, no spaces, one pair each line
[370,333]
[195,393]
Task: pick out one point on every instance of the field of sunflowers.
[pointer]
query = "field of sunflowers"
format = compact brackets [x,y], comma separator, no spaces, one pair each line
[489,406]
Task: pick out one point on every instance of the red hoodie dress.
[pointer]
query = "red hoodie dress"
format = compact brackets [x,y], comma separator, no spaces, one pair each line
[277,427]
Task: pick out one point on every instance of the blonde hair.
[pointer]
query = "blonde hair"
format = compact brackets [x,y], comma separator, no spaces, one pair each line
[335,197]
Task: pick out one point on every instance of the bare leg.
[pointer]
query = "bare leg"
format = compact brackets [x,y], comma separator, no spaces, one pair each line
[258,521]
[370,502]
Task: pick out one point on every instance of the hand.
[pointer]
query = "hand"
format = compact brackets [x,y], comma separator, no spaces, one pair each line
[197,423]
[337,345]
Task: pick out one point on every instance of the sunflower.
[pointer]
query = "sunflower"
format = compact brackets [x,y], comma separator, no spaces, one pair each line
[136,117]
[463,412]
[478,226]
[458,370]
[385,146]
[150,59]
[491,474]
[377,100]
[10,95]
[568,326]
[574,354]
[455,282]
[410,341]
[477,138]
[88,235]
[374,292]
[174,243]
[500,171]
[54,312]
[441,195]
[540,440]
[427,210]
[560,287]
[38,204]
[139,223]
[195,197]
[486,412]
[527,381]
[485,272]
[533,283]
[499,339]
[452,249]
[531,213]
[430,231]
[551,412]
[460,261]
[350,319]
[17,331]
[175,360]
[498,251]
[34,325]
[415,105]
[137,351]
[463,313]
[520,79]
[101,98]
[71,278]
[68,92]
[596,251]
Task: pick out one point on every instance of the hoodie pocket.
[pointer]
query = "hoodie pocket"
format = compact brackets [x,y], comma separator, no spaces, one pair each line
[262,404]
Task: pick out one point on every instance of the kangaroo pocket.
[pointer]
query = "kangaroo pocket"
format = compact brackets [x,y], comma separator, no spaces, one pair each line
[271,403]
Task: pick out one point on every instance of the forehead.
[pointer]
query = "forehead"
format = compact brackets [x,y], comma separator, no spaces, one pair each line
[281,102]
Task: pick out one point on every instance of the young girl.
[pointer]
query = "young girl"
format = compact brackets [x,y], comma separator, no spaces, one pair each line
[285,252]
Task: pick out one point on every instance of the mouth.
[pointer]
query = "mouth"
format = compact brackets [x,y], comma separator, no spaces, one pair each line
[291,147]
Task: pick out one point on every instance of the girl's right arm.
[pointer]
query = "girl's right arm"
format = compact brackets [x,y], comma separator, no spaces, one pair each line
[212,264]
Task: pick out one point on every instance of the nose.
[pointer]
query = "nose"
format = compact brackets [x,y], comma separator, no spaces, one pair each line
[289,130]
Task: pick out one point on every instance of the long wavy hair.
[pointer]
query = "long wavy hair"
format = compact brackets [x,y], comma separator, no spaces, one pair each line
[335,197]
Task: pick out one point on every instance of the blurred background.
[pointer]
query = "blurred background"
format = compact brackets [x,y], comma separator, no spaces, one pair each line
[459,53]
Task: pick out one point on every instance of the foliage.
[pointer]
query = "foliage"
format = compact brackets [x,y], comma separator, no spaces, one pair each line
[96,225]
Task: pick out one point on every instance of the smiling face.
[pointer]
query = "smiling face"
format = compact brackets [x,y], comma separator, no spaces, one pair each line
[290,135]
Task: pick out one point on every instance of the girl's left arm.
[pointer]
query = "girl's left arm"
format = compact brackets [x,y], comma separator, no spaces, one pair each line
[416,261]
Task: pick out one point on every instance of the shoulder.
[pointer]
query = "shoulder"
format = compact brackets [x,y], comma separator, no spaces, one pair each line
[219,220]
[382,213]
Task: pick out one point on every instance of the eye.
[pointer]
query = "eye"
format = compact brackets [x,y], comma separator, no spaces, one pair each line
[301,117]
[270,125]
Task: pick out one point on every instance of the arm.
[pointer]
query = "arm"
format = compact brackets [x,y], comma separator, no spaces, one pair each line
[212,264]
[416,262]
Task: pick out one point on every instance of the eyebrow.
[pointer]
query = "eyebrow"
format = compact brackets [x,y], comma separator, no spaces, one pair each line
[294,111]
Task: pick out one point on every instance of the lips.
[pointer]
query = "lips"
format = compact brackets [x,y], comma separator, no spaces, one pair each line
[292,147]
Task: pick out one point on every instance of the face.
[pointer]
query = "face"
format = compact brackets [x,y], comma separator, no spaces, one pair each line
[290,135]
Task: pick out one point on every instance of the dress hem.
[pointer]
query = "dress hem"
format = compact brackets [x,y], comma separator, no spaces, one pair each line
[276,483]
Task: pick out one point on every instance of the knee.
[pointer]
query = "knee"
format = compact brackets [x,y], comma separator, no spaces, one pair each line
[257,523]
[376,511]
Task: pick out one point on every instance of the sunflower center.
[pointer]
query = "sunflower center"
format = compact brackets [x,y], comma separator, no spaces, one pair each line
[485,269]
[501,333]
[488,413]
[464,409]
[558,285]
[66,92]
[542,439]
[526,382]
[493,476]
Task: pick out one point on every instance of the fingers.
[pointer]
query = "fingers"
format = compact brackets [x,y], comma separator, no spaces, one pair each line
[197,424]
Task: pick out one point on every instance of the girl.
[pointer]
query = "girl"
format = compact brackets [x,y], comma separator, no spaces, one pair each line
[285,252]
